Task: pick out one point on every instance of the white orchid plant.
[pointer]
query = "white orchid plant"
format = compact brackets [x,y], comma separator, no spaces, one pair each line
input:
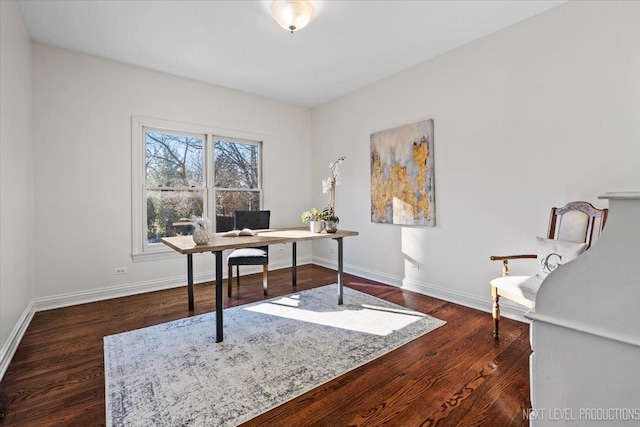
[329,186]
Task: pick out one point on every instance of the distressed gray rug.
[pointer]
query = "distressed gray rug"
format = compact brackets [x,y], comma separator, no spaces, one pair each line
[174,374]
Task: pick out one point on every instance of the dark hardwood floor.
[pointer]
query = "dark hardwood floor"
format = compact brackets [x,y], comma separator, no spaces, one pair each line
[456,375]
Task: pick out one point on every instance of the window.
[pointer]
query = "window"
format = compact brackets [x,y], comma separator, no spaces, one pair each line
[237,179]
[181,170]
[175,185]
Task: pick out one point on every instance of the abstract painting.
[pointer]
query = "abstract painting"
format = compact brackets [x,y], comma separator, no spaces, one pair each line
[402,178]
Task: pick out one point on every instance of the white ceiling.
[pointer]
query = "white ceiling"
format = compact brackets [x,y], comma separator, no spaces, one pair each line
[237,44]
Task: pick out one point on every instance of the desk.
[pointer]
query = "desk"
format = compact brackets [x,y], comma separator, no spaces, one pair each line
[186,246]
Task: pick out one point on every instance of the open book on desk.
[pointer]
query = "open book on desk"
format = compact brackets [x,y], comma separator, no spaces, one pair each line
[243,232]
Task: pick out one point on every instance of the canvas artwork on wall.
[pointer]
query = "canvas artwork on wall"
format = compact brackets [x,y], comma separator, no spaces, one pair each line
[402,178]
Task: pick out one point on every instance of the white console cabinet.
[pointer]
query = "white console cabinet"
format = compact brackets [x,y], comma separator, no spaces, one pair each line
[585,330]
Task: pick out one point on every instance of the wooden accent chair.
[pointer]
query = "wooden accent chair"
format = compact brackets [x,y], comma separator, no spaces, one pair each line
[572,229]
[255,220]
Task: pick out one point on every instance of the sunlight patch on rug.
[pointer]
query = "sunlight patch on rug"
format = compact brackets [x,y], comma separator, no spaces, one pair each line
[370,319]
[274,350]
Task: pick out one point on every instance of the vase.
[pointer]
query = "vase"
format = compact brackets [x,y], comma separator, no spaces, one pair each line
[201,237]
[315,226]
[331,226]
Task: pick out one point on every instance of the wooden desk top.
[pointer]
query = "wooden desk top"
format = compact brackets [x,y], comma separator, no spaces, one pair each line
[186,245]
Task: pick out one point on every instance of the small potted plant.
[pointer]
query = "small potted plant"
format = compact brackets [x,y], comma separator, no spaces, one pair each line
[330,220]
[314,218]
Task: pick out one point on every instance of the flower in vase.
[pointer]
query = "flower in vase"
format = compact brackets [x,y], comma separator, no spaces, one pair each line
[311,215]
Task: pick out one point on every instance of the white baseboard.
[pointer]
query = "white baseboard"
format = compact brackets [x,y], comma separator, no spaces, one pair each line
[11,345]
[83,297]
[507,309]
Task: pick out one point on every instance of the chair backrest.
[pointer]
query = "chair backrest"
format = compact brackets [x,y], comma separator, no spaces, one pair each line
[256,220]
[577,222]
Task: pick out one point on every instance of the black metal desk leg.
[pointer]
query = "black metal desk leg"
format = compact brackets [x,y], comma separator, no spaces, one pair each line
[190,280]
[219,328]
[340,268]
[294,264]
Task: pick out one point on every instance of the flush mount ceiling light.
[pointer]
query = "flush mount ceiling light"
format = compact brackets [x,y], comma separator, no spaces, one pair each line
[292,15]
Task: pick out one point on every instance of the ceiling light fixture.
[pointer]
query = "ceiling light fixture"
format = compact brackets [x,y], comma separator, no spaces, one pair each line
[292,15]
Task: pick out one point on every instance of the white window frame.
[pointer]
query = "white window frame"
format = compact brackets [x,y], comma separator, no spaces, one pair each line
[141,249]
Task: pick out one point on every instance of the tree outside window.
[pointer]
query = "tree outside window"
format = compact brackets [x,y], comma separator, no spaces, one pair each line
[177,185]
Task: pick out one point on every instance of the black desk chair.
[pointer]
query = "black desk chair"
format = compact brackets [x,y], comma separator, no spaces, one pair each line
[254,220]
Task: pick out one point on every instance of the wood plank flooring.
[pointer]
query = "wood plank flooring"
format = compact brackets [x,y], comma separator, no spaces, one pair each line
[456,375]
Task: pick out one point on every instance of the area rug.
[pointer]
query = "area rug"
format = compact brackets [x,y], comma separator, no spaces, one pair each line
[175,374]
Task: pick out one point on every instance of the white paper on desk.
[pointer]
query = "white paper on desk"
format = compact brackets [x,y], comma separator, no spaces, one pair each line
[243,232]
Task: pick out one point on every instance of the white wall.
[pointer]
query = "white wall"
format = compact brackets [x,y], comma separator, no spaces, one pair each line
[533,116]
[16,177]
[82,110]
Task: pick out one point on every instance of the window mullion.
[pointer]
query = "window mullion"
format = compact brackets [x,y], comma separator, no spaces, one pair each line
[237,189]
[209,165]
[151,187]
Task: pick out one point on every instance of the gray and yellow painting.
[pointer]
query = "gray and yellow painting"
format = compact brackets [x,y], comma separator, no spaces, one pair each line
[402,176]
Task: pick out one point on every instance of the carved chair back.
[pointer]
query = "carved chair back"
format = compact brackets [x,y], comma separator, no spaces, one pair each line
[577,222]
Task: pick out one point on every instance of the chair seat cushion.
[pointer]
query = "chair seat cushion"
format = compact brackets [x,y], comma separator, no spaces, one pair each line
[248,256]
[522,286]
